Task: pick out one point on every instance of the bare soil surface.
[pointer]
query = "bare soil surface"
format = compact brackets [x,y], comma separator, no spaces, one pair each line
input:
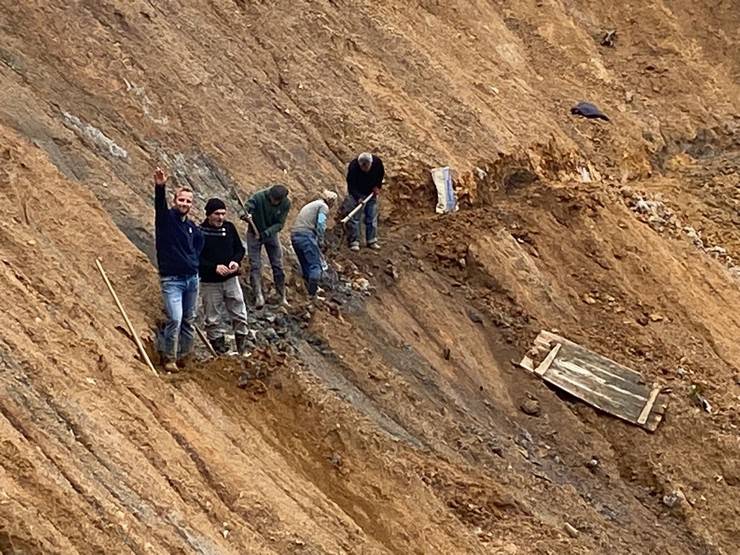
[389,419]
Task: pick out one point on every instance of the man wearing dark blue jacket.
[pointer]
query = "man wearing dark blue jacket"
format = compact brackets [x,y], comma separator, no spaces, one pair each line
[364,178]
[178,242]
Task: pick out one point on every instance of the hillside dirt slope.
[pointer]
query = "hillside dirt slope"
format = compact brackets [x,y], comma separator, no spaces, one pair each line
[390,419]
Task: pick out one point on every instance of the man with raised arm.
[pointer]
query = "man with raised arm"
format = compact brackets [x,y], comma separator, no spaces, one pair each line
[179,242]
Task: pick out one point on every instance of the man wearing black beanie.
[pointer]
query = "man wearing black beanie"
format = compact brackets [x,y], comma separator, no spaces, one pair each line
[220,259]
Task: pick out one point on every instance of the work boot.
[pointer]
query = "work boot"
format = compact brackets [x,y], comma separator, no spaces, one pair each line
[312,286]
[282,296]
[219,345]
[259,299]
[185,361]
[318,299]
[242,344]
[170,366]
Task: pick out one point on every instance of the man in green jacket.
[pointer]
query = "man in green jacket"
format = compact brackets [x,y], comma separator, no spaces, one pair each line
[267,211]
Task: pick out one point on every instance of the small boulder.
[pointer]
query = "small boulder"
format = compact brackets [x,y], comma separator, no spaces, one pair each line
[474,316]
[531,407]
[572,531]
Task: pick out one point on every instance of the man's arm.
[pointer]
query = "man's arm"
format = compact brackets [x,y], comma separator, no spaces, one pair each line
[380,174]
[198,240]
[276,227]
[251,208]
[238,251]
[321,223]
[160,200]
[352,174]
[205,263]
[252,204]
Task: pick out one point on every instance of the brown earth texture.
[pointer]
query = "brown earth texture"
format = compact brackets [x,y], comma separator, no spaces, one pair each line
[389,419]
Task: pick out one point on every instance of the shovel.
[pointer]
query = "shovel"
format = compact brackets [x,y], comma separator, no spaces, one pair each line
[357,208]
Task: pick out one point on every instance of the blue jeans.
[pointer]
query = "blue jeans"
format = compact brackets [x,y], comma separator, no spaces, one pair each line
[180,294]
[371,221]
[306,248]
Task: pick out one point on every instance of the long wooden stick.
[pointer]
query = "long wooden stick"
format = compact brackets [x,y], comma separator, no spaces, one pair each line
[247,215]
[239,200]
[205,340]
[125,317]
[357,208]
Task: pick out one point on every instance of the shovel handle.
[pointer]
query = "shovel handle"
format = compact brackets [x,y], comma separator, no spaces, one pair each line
[357,208]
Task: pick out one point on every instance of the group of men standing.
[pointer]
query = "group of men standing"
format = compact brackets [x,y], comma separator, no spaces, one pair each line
[207,258]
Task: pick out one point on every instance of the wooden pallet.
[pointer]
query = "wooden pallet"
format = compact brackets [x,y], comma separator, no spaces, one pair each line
[597,380]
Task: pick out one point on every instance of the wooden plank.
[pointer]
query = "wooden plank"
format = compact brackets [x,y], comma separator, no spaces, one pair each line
[527,363]
[541,343]
[657,414]
[637,397]
[607,378]
[609,366]
[616,380]
[541,340]
[576,389]
[648,406]
[549,336]
[608,399]
[542,368]
[598,381]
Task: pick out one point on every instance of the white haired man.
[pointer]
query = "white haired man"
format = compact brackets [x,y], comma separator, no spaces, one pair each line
[307,237]
[364,176]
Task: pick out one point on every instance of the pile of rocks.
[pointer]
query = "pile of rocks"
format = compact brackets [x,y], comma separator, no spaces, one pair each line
[651,211]
[662,219]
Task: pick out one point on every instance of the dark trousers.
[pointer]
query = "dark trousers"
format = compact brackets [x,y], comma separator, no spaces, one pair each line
[274,254]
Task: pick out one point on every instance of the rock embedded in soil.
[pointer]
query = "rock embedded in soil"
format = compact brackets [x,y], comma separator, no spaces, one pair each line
[674,498]
[530,407]
[572,531]
[474,316]
[588,299]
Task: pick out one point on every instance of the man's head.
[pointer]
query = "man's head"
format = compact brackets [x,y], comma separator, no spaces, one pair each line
[183,200]
[365,160]
[329,197]
[216,212]
[277,194]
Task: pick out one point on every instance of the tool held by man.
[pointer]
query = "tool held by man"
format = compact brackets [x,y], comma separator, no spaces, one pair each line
[131,329]
[357,208]
[246,216]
